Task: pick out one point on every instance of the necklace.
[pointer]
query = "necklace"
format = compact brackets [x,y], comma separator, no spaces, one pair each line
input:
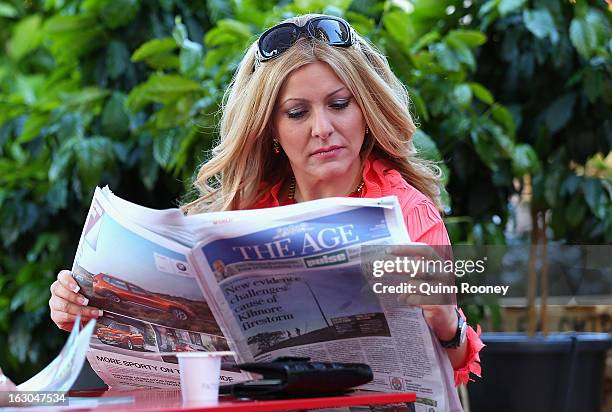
[292,184]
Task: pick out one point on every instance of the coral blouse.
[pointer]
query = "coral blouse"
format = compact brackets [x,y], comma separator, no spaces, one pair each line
[424,225]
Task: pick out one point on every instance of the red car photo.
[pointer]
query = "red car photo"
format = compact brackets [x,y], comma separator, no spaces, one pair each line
[120,334]
[118,290]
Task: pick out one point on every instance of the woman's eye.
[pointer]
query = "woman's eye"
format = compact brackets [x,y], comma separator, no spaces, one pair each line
[341,104]
[296,114]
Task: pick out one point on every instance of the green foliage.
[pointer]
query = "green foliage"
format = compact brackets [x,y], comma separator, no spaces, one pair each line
[126,93]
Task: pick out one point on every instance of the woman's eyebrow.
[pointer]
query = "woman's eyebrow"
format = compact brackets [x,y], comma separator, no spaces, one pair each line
[302,99]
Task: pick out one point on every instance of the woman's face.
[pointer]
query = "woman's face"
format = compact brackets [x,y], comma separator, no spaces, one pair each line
[319,125]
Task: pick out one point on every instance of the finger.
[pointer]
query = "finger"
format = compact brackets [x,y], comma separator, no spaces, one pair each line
[60,290]
[66,279]
[59,304]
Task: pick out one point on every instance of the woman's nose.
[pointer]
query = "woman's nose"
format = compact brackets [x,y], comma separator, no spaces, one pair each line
[322,126]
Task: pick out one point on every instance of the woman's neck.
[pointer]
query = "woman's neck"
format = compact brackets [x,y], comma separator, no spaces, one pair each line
[310,189]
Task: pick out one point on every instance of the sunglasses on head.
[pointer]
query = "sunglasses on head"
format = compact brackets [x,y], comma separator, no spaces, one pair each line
[331,30]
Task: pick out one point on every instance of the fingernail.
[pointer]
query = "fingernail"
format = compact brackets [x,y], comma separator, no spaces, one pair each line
[97,313]
[75,288]
[83,301]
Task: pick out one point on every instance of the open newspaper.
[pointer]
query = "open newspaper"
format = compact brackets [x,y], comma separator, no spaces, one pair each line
[286,281]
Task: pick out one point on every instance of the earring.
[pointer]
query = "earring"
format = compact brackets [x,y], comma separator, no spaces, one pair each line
[275,146]
[367,130]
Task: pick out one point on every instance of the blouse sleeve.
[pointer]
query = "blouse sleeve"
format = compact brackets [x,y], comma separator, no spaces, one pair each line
[425,225]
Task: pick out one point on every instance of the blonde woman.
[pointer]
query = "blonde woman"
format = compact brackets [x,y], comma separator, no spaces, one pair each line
[314,111]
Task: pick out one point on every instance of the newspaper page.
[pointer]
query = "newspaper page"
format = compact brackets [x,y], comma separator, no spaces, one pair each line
[290,283]
[62,372]
[152,300]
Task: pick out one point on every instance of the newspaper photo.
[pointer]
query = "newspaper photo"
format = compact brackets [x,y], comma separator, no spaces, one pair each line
[152,301]
[287,281]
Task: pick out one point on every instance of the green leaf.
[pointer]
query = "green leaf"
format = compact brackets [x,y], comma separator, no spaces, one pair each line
[426,147]
[506,7]
[153,47]
[114,13]
[504,117]
[61,24]
[485,149]
[219,9]
[115,121]
[446,57]
[163,61]
[583,37]
[595,197]
[73,36]
[164,148]
[7,10]
[32,126]
[228,31]
[541,24]
[470,38]
[85,97]
[62,160]
[575,212]
[559,112]
[594,84]
[191,57]
[463,95]
[119,13]
[524,160]
[162,89]
[481,92]
[419,104]
[93,156]
[425,41]
[398,25]
[117,59]
[462,52]
[26,37]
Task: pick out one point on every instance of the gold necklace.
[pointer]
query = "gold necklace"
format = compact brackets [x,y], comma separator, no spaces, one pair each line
[292,184]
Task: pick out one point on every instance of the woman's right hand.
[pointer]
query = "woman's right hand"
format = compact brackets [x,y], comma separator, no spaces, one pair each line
[66,303]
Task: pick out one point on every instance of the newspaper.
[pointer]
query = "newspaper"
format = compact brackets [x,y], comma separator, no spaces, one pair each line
[286,281]
[62,372]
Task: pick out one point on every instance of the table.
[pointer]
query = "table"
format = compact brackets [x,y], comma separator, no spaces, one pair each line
[170,400]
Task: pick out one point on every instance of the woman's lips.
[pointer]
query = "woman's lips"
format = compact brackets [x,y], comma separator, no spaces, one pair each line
[327,152]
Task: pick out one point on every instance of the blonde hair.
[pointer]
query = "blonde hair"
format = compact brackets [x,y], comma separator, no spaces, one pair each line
[243,166]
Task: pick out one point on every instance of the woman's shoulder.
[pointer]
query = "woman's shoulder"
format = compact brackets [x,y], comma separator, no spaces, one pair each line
[422,217]
[381,179]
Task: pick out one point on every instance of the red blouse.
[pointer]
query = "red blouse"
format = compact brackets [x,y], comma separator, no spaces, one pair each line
[424,225]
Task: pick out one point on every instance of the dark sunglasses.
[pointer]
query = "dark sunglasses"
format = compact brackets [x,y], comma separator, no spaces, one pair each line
[332,30]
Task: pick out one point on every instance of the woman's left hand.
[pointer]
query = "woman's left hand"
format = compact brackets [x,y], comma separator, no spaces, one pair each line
[442,319]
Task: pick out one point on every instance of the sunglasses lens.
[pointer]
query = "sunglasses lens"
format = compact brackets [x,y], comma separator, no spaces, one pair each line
[333,32]
[277,41]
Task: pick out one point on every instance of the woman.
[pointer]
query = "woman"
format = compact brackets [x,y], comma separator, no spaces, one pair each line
[314,111]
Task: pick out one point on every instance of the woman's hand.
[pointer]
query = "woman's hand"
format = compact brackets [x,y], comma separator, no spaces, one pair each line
[66,303]
[442,319]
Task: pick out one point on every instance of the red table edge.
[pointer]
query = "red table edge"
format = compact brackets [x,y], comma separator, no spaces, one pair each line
[277,404]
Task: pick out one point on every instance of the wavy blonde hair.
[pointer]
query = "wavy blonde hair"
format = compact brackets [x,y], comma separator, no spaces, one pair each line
[243,166]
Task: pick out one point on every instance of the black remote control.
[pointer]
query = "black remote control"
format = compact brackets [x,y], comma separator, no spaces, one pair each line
[291,376]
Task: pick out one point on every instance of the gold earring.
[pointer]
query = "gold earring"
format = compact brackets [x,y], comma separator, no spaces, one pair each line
[275,146]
